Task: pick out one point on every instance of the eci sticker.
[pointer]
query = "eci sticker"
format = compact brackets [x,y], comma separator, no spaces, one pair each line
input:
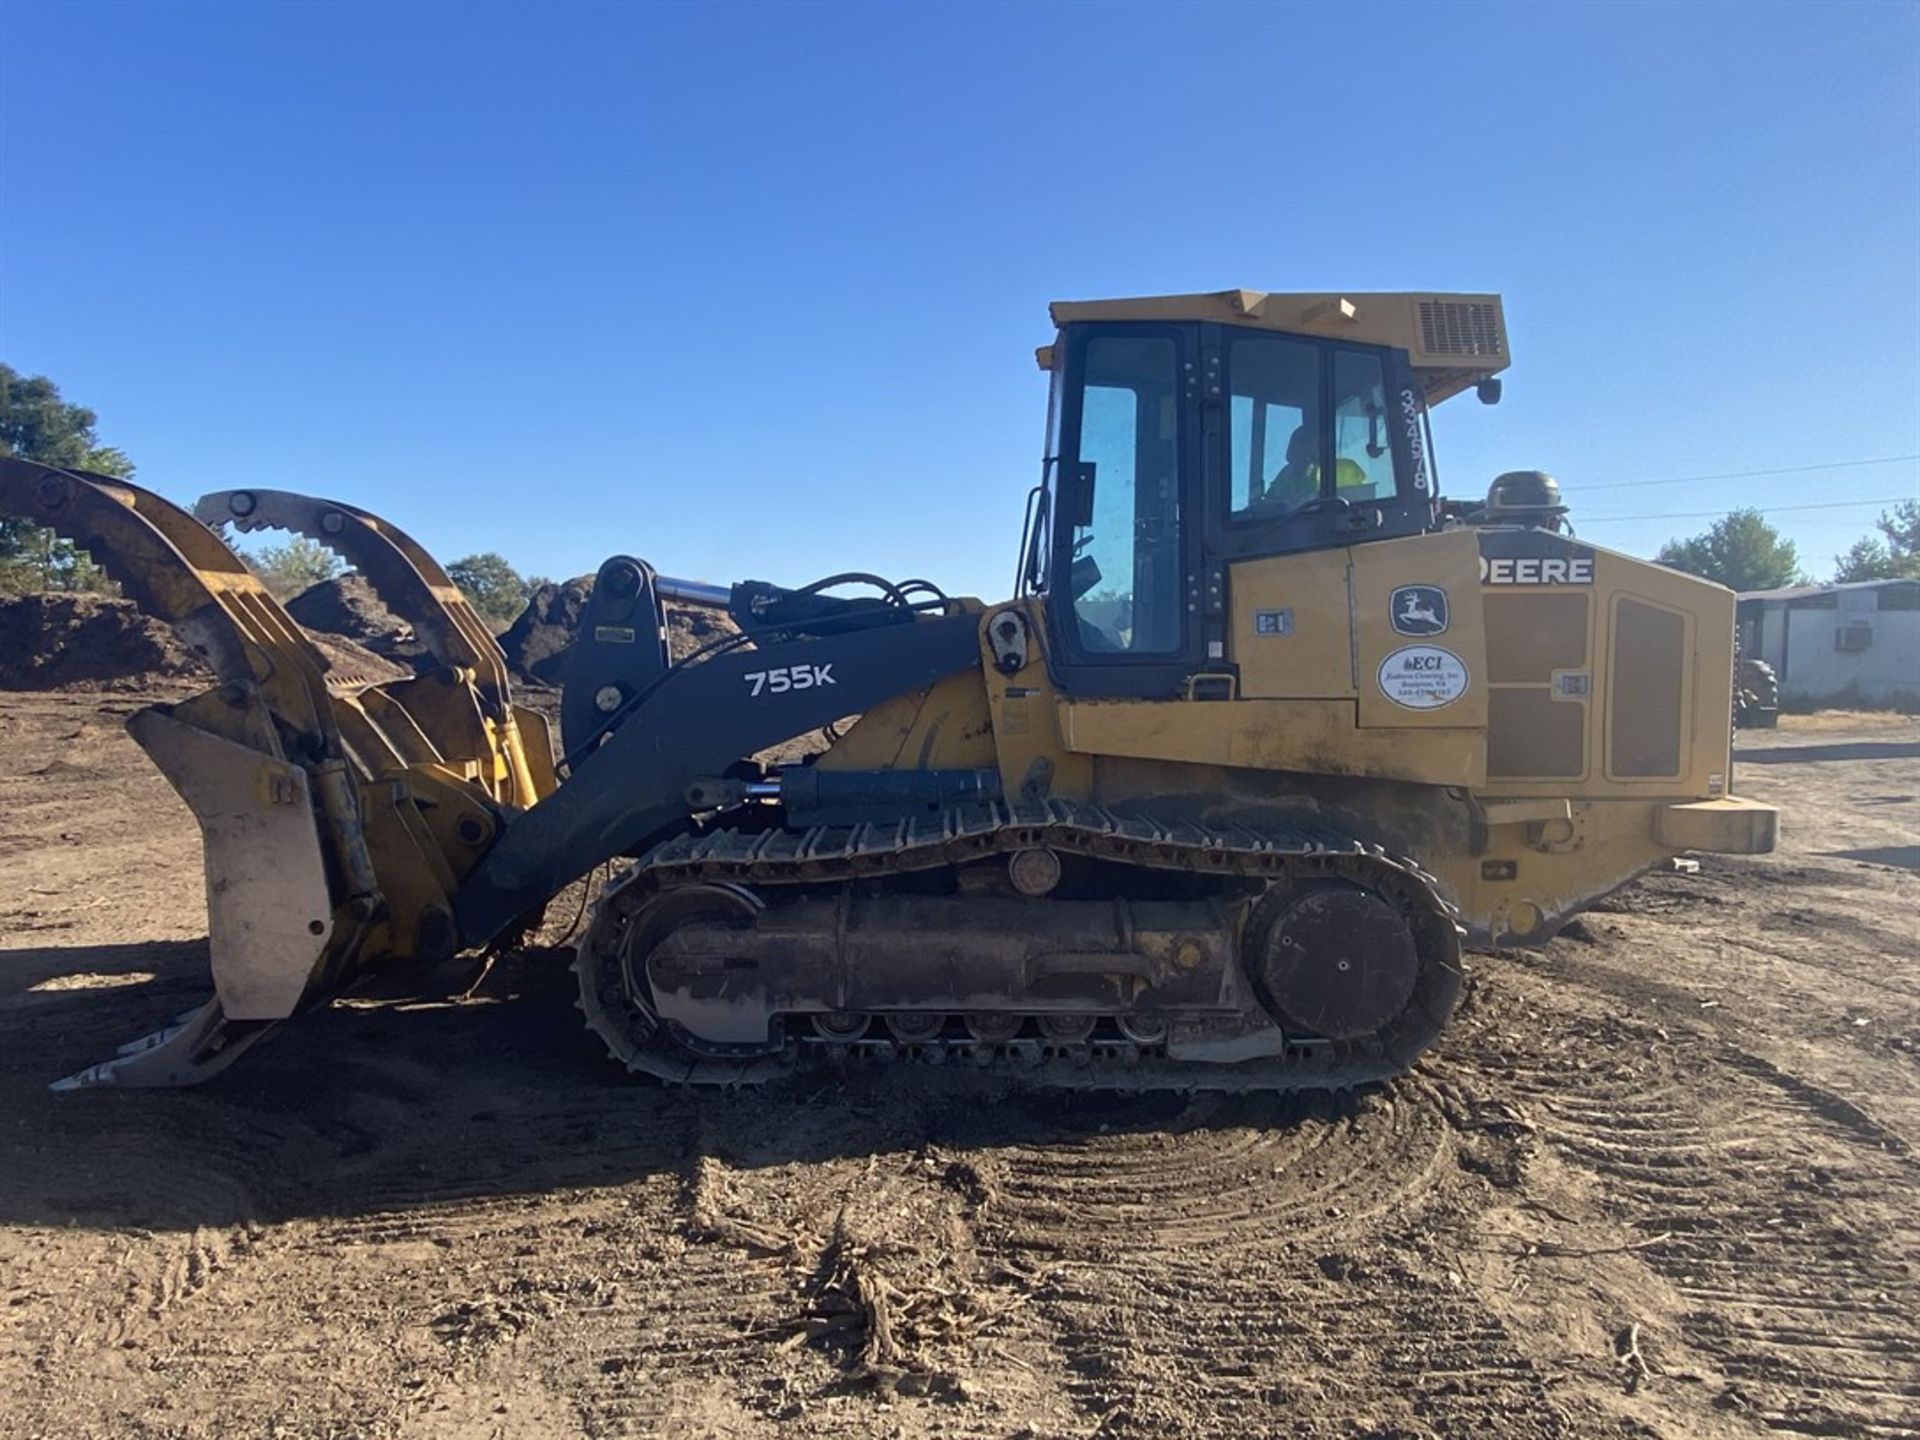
[1423,677]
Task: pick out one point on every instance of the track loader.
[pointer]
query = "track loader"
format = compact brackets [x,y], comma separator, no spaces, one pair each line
[1267,734]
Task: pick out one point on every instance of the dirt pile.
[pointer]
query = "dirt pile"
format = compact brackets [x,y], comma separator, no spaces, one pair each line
[347,606]
[57,641]
[537,642]
[691,626]
[60,641]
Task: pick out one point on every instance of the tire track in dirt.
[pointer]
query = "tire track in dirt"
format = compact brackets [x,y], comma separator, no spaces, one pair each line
[1744,1185]
[1257,1258]
[796,1288]
[680,1357]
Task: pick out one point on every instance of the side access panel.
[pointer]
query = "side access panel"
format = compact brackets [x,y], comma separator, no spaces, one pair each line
[1419,641]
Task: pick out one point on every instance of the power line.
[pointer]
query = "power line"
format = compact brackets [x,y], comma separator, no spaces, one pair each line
[1763,509]
[1750,474]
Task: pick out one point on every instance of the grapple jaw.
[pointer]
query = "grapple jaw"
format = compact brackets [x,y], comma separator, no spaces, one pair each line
[337,820]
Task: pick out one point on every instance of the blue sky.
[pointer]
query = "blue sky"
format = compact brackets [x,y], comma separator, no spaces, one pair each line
[753,290]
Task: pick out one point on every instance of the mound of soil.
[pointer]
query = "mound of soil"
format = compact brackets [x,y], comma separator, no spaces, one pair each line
[60,641]
[537,642]
[691,626]
[347,606]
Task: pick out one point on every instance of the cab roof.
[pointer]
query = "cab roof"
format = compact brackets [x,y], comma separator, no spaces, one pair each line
[1454,340]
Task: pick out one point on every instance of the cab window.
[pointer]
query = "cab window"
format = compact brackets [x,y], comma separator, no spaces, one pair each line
[1275,441]
[1125,507]
[1362,444]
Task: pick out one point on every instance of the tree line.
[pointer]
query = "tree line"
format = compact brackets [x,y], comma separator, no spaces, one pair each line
[496,590]
[1741,550]
[36,423]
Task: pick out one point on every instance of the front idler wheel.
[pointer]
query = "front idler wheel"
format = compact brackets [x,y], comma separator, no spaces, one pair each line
[612,961]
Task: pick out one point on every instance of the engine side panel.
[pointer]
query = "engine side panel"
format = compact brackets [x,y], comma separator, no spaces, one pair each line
[1537,720]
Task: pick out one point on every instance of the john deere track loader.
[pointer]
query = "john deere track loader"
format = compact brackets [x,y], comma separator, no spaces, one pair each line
[1266,734]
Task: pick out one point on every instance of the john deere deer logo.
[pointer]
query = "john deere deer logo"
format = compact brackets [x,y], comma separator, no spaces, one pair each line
[1418,609]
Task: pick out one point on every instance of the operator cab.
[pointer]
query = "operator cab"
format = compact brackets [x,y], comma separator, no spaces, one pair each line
[1188,432]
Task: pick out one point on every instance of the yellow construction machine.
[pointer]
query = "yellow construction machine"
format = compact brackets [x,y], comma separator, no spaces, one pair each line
[1267,733]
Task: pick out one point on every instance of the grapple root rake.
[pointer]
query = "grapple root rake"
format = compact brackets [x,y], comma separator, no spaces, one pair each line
[337,820]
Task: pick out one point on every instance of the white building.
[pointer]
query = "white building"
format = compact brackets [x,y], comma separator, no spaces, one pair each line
[1853,644]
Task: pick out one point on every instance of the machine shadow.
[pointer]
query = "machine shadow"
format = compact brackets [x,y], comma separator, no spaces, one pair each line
[1839,750]
[1905,857]
[387,1103]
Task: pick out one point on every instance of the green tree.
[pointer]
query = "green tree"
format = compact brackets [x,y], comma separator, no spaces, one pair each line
[1893,554]
[290,568]
[492,586]
[1740,550]
[36,424]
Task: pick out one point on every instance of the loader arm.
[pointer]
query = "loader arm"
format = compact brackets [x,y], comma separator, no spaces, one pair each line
[702,719]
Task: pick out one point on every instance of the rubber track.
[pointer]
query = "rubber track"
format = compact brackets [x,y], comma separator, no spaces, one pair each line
[970,832]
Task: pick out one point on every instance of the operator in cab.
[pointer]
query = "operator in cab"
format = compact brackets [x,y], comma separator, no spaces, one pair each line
[1298,480]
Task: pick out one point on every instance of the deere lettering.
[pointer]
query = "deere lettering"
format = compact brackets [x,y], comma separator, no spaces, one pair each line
[1536,570]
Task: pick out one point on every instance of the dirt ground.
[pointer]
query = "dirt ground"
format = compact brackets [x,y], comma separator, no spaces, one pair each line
[1660,1181]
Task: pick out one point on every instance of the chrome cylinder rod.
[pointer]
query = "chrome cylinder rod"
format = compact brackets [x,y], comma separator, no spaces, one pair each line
[692,592]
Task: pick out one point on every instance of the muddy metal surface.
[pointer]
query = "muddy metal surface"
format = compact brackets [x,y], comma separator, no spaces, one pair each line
[1661,1180]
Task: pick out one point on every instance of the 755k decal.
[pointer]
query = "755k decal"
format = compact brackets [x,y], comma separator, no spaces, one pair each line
[789,677]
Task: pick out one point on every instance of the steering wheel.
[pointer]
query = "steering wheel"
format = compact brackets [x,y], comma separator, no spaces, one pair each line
[1323,502]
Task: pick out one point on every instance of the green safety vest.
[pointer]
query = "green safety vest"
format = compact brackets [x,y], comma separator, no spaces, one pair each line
[1347,475]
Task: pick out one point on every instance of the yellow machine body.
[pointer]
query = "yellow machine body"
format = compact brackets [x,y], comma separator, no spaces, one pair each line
[1589,741]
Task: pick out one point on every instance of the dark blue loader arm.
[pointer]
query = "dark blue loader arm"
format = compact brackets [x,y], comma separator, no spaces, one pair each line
[701,720]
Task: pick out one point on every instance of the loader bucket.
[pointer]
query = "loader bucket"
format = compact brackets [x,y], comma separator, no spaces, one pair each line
[337,819]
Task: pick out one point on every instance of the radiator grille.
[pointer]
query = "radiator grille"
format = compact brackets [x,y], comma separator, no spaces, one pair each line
[1456,327]
[1531,636]
[1648,689]
[1531,732]
[1530,735]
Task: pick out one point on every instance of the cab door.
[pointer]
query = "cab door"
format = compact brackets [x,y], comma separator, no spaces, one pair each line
[1124,602]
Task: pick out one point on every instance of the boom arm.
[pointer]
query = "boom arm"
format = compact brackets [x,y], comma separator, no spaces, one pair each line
[702,719]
